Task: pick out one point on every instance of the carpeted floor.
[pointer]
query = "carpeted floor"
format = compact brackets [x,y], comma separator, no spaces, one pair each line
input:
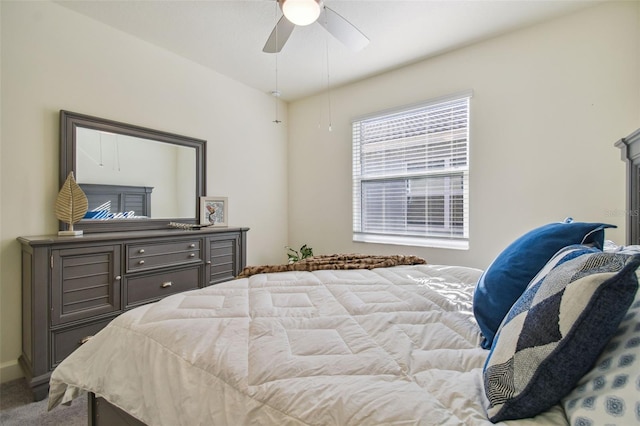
[18,409]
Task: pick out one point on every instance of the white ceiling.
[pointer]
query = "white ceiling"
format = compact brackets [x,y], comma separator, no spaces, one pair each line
[228,36]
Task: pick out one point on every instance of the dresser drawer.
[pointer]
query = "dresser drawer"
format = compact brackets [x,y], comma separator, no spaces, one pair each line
[142,257]
[152,287]
[69,339]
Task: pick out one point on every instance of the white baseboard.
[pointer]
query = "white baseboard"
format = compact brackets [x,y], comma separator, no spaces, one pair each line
[10,371]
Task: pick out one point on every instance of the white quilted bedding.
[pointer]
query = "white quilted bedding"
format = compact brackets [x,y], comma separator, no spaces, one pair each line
[392,346]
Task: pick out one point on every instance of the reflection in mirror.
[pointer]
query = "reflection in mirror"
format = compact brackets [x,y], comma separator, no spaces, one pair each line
[112,159]
[135,178]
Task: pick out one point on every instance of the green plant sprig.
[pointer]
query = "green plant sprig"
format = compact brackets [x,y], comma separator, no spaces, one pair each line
[295,255]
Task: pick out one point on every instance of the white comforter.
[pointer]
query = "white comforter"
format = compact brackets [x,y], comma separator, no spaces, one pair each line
[392,346]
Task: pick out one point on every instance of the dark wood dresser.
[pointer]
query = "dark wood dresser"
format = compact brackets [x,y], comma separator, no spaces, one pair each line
[72,287]
[630,147]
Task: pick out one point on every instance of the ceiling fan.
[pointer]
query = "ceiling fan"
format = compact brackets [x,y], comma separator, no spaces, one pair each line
[306,12]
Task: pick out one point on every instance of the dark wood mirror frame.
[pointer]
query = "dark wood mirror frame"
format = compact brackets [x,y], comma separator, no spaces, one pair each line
[69,121]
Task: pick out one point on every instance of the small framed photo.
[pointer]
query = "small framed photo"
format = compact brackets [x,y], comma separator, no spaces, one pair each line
[213,211]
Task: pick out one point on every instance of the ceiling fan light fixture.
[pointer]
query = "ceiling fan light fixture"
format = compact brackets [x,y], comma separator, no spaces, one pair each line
[301,12]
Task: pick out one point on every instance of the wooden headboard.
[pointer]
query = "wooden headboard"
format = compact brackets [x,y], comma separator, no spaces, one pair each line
[630,147]
[120,197]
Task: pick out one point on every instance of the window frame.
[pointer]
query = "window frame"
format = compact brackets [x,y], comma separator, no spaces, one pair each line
[456,213]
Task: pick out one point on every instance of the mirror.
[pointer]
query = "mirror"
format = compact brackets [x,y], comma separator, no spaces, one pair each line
[135,178]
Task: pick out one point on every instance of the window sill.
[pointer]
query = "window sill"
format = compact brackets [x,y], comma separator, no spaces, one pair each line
[460,244]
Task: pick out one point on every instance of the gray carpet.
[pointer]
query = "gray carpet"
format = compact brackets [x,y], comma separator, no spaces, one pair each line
[18,409]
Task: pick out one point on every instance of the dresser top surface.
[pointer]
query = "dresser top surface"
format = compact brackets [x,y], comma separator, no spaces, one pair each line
[118,236]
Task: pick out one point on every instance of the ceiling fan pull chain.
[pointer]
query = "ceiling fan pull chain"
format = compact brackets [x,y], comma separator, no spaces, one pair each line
[276,92]
[328,79]
[101,163]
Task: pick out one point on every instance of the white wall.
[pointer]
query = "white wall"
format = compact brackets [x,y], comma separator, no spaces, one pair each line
[549,102]
[55,59]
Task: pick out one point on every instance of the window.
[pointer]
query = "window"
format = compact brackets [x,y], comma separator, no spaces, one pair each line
[411,175]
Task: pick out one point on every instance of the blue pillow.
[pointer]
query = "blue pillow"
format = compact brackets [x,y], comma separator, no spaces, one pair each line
[555,332]
[510,273]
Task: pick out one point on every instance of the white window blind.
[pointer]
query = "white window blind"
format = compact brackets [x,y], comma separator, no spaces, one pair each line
[411,175]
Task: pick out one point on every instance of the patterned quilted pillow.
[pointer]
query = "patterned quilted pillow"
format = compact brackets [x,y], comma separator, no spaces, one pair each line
[555,332]
[610,393]
[563,255]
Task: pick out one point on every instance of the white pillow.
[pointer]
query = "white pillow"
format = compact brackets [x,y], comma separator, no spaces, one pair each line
[611,247]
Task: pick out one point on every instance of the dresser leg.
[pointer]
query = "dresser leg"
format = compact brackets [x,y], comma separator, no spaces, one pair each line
[39,384]
[40,392]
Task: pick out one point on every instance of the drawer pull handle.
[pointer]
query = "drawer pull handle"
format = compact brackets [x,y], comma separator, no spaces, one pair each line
[192,255]
[118,277]
[84,340]
[141,262]
[208,262]
[141,251]
[192,245]
[166,284]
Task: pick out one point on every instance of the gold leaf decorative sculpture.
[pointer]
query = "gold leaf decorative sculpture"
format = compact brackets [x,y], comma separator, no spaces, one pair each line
[71,204]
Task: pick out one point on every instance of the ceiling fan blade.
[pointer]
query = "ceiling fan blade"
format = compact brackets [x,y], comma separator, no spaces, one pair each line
[342,29]
[279,36]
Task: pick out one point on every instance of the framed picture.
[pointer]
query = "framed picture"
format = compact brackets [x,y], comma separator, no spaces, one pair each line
[213,211]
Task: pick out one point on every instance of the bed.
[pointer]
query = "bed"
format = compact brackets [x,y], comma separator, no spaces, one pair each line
[336,345]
